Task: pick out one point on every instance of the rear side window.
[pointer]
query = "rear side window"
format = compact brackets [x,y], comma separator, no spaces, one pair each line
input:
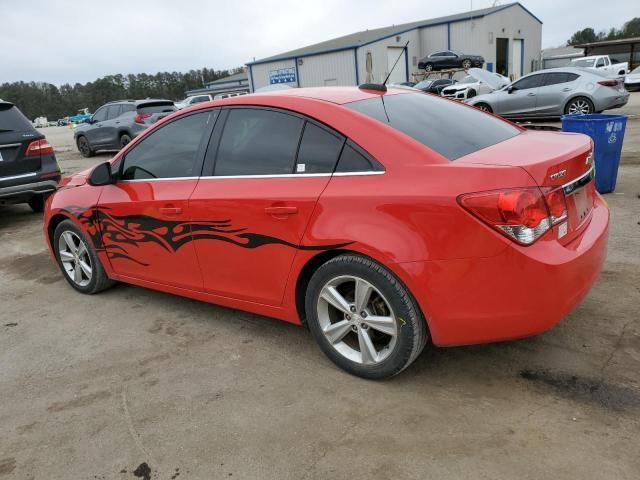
[451,129]
[319,150]
[556,78]
[127,107]
[169,152]
[258,142]
[156,107]
[353,159]
[12,119]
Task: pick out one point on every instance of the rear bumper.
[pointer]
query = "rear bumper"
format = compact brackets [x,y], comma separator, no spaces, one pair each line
[29,189]
[520,292]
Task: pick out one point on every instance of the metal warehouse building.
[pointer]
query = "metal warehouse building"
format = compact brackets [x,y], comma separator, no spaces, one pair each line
[507,36]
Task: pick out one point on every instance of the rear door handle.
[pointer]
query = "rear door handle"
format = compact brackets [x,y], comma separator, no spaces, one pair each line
[531,94]
[170,210]
[278,211]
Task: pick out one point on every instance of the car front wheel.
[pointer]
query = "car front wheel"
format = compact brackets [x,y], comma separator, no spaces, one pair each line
[484,107]
[84,148]
[78,260]
[363,318]
[428,67]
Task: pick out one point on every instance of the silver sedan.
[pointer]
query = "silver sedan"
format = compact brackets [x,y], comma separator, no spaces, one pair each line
[554,92]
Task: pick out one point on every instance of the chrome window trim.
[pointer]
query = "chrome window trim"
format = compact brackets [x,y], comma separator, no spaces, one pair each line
[234,177]
[16,177]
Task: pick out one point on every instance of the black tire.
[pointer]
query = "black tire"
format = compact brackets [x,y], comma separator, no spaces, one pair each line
[37,203]
[471,94]
[466,64]
[125,138]
[84,147]
[411,327]
[576,102]
[485,107]
[428,67]
[99,280]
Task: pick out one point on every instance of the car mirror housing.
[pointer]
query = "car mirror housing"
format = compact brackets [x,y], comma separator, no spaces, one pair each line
[101,175]
[510,89]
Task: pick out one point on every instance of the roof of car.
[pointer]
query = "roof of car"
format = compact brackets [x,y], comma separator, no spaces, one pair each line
[139,102]
[338,95]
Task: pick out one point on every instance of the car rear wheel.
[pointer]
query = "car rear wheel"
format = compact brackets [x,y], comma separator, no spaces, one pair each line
[363,318]
[77,259]
[579,105]
[124,140]
[36,203]
[428,67]
[484,107]
[84,148]
[466,63]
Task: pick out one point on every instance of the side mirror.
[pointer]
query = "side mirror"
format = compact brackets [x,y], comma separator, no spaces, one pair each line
[510,89]
[101,175]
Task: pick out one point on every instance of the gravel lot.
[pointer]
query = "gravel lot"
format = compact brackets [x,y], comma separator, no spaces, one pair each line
[94,386]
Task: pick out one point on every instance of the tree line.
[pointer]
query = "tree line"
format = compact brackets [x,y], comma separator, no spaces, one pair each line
[37,99]
[588,35]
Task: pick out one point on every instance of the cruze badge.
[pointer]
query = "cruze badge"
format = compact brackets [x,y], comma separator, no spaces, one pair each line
[560,174]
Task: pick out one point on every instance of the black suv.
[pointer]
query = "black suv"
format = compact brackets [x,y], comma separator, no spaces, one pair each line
[28,167]
[117,123]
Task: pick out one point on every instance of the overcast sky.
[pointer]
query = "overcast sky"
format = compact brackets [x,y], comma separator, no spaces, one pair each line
[78,41]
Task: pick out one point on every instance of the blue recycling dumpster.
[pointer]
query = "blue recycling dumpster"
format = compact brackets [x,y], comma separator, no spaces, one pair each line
[607,133]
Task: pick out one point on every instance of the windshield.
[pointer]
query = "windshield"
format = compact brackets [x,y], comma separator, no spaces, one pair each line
[636,70]
[424,84]
[584,62]
[436,123]
[469,79]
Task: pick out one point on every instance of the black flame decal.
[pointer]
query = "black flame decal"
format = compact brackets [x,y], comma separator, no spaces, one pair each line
[113,233]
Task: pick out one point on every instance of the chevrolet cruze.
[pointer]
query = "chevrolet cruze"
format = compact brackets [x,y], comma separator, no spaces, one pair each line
[380,219]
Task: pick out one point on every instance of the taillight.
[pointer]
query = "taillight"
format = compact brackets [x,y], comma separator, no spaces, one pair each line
[140,118]
[38,147]
[522,214]
[608,83]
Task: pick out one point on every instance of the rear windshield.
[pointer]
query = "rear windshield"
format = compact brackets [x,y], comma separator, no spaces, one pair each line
[451,129]
[12,119]
[156,107]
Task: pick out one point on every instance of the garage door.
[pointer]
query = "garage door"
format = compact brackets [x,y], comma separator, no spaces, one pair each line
[399,74]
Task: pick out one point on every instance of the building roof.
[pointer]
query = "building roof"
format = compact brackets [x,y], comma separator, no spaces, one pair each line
[236,77]
[562,52]
[366,37]
[604,43]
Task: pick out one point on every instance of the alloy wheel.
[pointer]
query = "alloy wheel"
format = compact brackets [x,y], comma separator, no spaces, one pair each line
[75,258]
[466,64]
[83,146]
[579,106]
[357,320]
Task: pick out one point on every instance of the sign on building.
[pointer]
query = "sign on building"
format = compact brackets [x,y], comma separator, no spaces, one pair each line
[283,75]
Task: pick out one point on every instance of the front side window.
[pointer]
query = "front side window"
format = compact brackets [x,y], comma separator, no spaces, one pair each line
[113,111]
[258,142]
[532,81]
[100,115]
[600,63]
[436,123]
[169,152]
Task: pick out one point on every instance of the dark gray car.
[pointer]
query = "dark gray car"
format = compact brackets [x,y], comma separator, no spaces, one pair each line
[117,123]
[552,93]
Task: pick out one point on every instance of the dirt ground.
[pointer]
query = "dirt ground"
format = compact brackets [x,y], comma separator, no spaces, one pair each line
[134,383]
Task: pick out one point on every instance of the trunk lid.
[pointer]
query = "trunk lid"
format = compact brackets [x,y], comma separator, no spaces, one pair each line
[16,133]
[553,160]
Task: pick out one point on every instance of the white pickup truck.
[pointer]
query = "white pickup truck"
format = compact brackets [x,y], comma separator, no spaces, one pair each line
[601,62]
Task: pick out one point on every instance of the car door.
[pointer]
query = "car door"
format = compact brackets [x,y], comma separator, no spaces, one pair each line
[108,132]
[450,60]
[93,129]
[249,216]
[520,97]
[555,89]
[143,216]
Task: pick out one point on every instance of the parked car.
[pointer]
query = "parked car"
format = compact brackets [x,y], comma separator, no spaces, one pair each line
[193,100]
[601,62]
[554,92]
[40,122]
[450,59]
[117,123]
[632,80]
[28,167]
[80,117]
[350,211]
[434,85]
[474,84]
[63,122]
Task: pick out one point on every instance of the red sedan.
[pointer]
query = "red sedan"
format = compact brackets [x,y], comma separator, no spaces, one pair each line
[379,219]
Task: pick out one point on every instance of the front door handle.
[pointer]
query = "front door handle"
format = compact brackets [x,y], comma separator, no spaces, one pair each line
[531,94]
[170,211]
[281,211]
